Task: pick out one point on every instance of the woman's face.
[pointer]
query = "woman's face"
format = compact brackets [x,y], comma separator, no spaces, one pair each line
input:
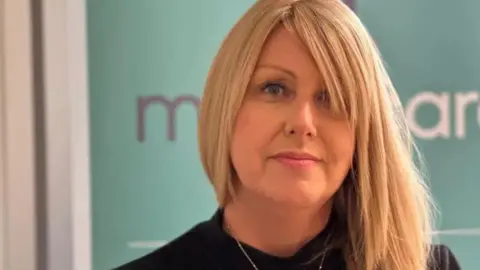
[288,145]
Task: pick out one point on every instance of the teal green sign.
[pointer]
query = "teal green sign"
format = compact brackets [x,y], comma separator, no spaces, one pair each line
[147,64]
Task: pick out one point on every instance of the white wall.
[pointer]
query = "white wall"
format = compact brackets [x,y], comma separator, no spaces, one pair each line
[2,166]
[65,143]
[17,169]
[67,134]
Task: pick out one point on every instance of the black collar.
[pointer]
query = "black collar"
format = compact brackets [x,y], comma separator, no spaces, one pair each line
[230,254]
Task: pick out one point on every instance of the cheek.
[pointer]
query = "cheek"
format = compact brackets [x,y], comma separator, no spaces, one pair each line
[251,136]
[340,145]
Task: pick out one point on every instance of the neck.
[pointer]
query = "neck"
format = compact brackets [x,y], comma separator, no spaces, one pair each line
[272,227]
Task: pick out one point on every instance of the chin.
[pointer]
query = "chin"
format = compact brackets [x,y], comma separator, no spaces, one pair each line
[299,197]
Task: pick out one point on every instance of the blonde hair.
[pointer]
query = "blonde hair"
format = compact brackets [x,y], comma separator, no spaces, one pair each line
[384,203]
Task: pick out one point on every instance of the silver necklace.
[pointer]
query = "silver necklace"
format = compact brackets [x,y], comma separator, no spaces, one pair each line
[320,267]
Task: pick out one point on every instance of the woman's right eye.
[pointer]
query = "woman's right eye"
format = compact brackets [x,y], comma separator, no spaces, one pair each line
[275,89]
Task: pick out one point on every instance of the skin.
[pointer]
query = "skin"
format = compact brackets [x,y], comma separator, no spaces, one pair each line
[280,203]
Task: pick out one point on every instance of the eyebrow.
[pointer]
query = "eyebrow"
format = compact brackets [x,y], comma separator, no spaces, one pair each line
[283,70]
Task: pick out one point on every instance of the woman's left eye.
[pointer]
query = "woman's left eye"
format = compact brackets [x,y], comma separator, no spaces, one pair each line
[323,97]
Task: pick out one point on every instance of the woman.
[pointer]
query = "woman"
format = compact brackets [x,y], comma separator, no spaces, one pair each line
[302,136]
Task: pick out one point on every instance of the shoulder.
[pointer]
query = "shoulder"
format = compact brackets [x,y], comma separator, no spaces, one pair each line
[184,252]
[442,258]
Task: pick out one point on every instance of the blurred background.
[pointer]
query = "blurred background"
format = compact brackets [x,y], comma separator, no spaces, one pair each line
[98,106]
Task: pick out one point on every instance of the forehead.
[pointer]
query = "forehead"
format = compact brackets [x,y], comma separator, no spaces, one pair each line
[284,49]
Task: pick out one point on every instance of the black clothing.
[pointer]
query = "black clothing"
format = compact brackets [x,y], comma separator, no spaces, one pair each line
[208,247]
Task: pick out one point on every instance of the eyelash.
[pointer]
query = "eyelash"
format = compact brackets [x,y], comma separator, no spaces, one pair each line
[268,85]
[322,97]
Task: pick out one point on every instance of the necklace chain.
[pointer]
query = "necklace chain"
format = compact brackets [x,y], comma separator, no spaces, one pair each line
[320,267]
[246,254]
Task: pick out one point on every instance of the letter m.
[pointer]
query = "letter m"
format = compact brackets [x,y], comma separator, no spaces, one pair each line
[143,103]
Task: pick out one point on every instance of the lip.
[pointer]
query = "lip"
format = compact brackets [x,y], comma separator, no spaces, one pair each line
[298,155]
[296,159]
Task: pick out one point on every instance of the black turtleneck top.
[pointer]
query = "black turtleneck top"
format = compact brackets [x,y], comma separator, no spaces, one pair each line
[208,247]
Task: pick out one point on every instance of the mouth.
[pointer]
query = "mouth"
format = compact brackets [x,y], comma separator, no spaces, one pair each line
[295,159]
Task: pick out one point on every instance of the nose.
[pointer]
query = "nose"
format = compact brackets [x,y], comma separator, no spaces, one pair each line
[301,121]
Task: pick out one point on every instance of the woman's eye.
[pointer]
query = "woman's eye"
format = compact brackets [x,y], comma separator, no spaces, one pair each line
[323,97]
[275,89]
